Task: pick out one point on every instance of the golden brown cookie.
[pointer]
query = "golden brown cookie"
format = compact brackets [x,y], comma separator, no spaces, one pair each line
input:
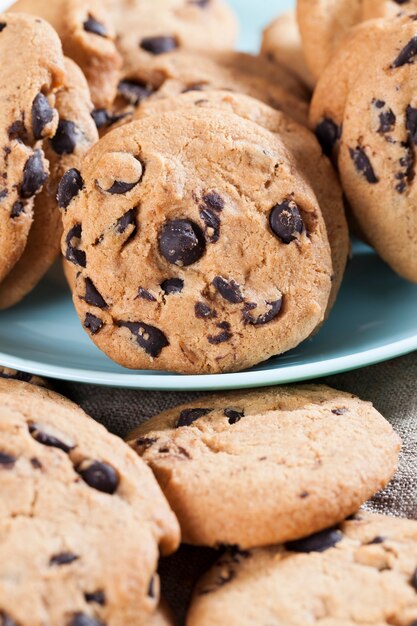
[70,491]
[183,224]
[257,468]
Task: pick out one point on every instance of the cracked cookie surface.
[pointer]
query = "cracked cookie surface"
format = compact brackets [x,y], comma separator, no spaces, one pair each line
[69,489]
[258,468]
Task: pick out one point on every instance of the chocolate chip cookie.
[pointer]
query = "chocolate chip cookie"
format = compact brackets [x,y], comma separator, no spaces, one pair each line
[254,469]
[362,572]
[324,24]
[198,246]
[7,373]
[75,133]
[304,147]
[369,125]
[28,82]
[81,518]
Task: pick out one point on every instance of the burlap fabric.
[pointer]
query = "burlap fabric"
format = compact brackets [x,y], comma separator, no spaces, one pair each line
[391,386]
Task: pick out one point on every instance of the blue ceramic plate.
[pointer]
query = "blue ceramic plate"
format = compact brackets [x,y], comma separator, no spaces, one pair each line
[374,318]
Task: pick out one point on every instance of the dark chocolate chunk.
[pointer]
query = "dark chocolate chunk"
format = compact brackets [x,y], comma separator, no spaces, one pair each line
[66,137]
[223,336]
[64,558]
[7,460]
[96,597]
[212,224]
[275,309]
[228,289]
[387,121]
[203,311]
[128,219]
[285,221]
[407,54]
[172,285]
[378,103]
[92,296]
[376,541]
[152,587]
[34,176]
[2,26]
[3,194]
[99,475]
[151,339]
[17,209]
[80,619]
[103,118]
[119,187]
[73,253]
[145,295]
[18,131]
[411,123]
[146,442]
[413,579]
[93,324]
[41,435]
[214,201]
[69,187]
[42,115]
[234,415]
[327,132]
[134,91]
[159,45]
[189,416]
[91,25]
[23,376]
[181,242]
[319,542]
[6,620]
[363,164]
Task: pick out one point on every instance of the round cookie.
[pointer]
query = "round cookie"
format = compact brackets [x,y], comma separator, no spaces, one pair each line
[259,468]
[281,43]
[363,572]
[76,133]
[324,24]
[370,125]
[69,490]
[28,82]
[7,373]
[183,224]
[310,160]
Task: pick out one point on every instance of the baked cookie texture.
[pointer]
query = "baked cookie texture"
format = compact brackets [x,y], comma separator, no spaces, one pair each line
[177,230]
[304,147]
[281,43]
[69,490]
[264,467]
[360,573]
[323,24]
[369,124]
[108,45]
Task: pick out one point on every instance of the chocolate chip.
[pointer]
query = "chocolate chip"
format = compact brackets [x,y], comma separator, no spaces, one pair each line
[234,415]
[275,309]
[103,118]
[181,242]
[99,475]
[92,296]
[411,123]
[2,26]
[34,176]
[159,45]
[387,121]
[378,103]
[6,620]
[189,416]
[152,587]
[228,289]
[327,132]
[40,434]
[223,336]
[18,131]
[212,223]
[145,295]
[172,285]
[69,187]
[319,542]
[151,339]
[413,579]
[80,619]
[15,375]
[35,463]
[7,461]
[340,411]
[42,115]
[96,597]
[407,54]
[128,219]
[376,541]
[73,253]
[120,187]
[64,558]
[91,25]
[17,209]
[93,324]
[214,201]
[66,137]
[3,194]
[134,91]
[363,164]
[202,311]
[285,221]
[146,442]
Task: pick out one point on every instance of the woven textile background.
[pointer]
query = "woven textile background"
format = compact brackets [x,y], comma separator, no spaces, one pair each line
[391,386]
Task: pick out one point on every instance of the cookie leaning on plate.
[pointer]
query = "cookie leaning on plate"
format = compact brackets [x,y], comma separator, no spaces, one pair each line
[257,468]
[363,572]
[370,124]
[69,490]
[183,223]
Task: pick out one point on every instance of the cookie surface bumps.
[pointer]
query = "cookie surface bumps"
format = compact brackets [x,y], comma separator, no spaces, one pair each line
[167,202]
[70,489]
[254,469]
